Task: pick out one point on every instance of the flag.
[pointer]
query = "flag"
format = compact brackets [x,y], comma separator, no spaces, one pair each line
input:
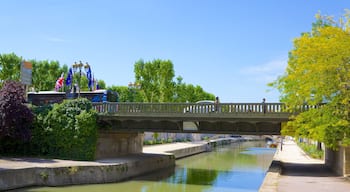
[89,77]
[59,82]
[69,77]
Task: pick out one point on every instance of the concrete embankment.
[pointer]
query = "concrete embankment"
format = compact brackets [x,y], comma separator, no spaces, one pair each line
[59,172]
[26,172]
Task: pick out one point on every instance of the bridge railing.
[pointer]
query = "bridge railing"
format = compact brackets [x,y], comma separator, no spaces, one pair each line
[197,108]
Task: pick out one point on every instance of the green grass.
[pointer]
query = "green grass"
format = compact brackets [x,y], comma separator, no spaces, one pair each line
[311,150]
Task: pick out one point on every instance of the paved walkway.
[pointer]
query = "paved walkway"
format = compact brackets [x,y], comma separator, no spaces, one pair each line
[302,173]
[22,163]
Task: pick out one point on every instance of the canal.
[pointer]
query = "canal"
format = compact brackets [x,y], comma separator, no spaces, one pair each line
[239,167]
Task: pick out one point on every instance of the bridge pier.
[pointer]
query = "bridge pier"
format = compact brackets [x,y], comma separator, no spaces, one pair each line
[111,144]
[339,161]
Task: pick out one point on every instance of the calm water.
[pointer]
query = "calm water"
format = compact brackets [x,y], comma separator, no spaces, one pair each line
[237,167]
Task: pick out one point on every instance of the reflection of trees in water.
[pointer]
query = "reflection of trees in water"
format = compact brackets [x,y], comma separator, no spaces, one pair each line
[204,169]
[223,159]
[194,176]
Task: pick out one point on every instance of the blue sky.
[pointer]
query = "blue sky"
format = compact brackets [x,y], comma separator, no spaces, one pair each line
[231,48]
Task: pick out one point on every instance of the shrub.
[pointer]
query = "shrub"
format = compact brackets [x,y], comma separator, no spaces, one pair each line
[15,118]
[69,130]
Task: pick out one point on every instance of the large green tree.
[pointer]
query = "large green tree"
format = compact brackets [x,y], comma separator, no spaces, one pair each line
[155,83]
[318,73]
[155,79]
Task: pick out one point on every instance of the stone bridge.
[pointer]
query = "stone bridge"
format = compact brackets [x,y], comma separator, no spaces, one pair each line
[223,118]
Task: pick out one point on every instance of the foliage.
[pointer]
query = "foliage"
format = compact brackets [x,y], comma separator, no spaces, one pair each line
[312,150]
[15,118]
[156,84]
[45,73]
[127,94]
[41,137]
[10,65]
[318,72]
[155,79]
[190,93]
[68,131]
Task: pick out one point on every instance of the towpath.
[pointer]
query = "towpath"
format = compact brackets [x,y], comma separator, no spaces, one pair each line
[299,172]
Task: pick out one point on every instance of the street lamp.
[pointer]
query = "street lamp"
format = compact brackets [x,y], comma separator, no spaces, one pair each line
[77,69]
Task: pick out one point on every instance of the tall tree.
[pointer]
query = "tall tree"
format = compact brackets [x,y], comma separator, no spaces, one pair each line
[155,79]
[319,72]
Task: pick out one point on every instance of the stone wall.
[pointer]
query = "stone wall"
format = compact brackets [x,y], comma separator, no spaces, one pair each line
[111,144]
[339,161]
[85,172]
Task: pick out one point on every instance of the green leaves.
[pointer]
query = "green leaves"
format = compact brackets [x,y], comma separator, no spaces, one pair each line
[156,84]
[10,65]
[319,72]
[68,130]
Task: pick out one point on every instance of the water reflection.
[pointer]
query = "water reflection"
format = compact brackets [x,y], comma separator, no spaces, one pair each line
[239,167]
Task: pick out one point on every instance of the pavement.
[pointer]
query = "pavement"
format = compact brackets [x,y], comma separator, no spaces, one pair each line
[297,172]
[23,163]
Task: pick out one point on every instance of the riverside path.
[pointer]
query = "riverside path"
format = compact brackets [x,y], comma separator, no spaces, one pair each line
[299,172]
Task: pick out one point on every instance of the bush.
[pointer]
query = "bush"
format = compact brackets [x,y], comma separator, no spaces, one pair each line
[69,130]
[15,119]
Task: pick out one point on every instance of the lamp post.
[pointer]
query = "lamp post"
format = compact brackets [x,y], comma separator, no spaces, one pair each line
[77,69]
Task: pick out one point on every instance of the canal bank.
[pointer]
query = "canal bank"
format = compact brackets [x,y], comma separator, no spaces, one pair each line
[26,172]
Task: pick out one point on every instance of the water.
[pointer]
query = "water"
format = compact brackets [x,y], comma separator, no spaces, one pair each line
[239,167]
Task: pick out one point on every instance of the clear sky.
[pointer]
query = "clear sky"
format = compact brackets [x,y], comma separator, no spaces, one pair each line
[231,48]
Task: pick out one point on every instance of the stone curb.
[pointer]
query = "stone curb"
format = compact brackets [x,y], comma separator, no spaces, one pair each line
[271,178]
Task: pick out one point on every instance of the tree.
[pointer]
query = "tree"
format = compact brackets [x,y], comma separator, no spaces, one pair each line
[319,72]
[45,74]
[157,85]
[190,93]
[10,65]
[155,79]
[15,117]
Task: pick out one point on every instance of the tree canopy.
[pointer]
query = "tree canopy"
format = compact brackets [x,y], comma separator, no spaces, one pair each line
[318,73]
[154,80]
[155,83]
[9,67]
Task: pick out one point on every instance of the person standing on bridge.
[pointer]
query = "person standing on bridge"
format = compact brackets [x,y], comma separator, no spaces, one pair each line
[216,102]
[264,105]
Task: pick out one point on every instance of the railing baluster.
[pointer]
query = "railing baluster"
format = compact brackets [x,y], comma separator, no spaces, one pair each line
[181,108]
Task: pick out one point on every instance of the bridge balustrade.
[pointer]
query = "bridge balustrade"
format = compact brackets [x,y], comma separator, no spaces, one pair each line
[134,107]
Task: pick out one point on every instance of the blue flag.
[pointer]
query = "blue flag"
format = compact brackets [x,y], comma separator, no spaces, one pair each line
[89,77]
[69,77]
